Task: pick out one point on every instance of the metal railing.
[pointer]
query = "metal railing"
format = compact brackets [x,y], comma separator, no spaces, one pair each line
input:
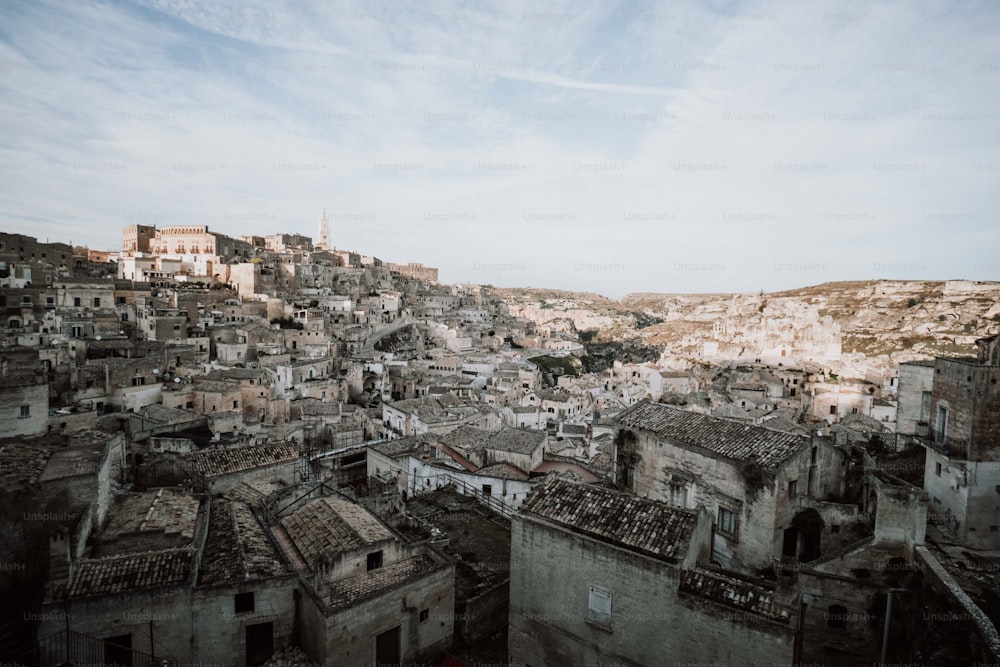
[69,647]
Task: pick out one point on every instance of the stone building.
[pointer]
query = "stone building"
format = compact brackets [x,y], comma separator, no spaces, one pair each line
[602,577]
[219,469]
[368,596]
[757,483]
[962,467]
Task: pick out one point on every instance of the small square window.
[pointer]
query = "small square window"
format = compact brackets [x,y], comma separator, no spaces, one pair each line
[835,528]
[424,615]
[244,602]
[374,560]
[76,301]
[833,409]
[25,412]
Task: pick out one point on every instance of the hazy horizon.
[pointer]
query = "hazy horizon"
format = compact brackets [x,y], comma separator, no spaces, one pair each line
[604,147]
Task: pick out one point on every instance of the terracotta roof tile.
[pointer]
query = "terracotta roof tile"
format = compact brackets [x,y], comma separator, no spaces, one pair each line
[642,525]
[226,460]
[127,572]
[325,527]
[721,437]
[733,593]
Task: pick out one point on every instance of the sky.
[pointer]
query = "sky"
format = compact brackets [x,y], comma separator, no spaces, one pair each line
[611,147]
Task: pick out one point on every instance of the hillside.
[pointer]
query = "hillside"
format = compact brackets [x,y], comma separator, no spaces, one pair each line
[830,323]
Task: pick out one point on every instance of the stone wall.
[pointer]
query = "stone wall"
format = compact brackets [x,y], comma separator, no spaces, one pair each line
[552,571]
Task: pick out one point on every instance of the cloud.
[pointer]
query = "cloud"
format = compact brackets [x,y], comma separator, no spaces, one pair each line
[606,149]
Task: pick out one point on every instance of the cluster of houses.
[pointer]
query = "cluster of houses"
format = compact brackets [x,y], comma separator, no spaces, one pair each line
[213,448]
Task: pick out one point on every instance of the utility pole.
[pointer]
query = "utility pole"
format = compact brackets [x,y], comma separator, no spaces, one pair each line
[885,629]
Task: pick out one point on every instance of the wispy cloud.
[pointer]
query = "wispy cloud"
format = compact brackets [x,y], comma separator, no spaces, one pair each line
[588,146]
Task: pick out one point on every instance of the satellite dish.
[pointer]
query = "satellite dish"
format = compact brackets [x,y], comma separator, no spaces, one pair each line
[176,380]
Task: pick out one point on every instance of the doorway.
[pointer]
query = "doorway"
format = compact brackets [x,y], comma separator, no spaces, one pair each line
[260,642]
[387,648]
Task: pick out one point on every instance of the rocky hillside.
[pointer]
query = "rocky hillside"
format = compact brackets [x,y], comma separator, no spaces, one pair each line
[832,322]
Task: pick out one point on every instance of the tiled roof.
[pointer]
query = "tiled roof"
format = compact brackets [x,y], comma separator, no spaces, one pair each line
[253,491]
[520,441]
[468,438]
[326,527]
[236,548]
[347,592]
[403,446]
[164,415]
[728,439]
[216,387]
[223,461]
[733,593]
[503,471]
[471,439]
[119,574]
[642,525]
[155,511]
[317,407]
[22,463]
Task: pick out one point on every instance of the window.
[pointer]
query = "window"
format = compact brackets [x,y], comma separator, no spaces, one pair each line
[836,616]
[97,302]
[50,301]
[835,528]
[833,409]
[795,382]
[599,606]
[424,615]
[792,393]
[942,424]
[854,411]
[76,301]
[792,487]
[235,404]
[138,381]
[677,494]
[727,522]
[374,560]
[487,489]
[937,469]
[24,412]
[189,405]
[244,602]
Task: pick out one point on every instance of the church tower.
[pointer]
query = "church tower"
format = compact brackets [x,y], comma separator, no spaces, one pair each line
[324,233]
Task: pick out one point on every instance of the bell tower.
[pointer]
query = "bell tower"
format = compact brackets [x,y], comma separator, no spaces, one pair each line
[324,233]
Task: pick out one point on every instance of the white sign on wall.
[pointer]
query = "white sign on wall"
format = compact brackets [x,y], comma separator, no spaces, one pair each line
[599,606]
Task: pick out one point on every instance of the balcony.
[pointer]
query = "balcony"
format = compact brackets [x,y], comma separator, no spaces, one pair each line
[953,448]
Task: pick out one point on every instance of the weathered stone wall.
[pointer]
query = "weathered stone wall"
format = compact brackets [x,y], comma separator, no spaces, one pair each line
[484,614]
[164,612]
[551,573]
[350,634]
[220,632]
[716,482]
[12,397]
[914,381]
